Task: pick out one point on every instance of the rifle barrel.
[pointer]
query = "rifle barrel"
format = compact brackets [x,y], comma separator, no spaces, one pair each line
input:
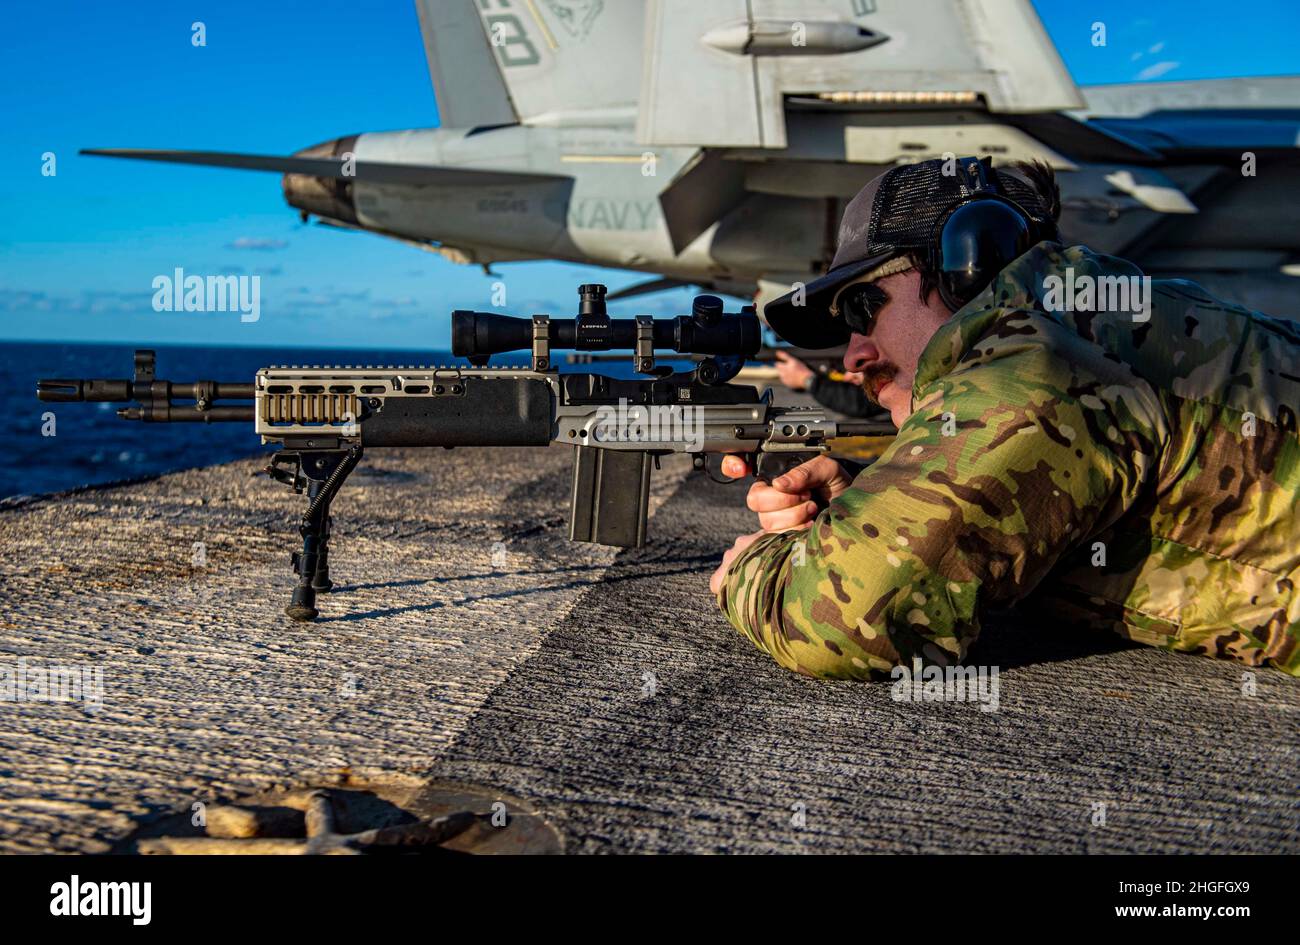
[116,391]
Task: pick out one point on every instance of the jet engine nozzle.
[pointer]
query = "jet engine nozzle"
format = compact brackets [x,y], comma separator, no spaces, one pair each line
[327,197]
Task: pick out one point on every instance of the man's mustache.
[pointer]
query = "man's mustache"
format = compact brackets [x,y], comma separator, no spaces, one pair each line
[875,378]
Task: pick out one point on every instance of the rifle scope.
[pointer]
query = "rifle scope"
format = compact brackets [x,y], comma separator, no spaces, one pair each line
[477,335]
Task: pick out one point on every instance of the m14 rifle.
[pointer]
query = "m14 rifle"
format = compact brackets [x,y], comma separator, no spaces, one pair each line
[323,418]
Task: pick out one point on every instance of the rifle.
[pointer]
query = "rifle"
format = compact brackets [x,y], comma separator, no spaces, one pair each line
[323,418]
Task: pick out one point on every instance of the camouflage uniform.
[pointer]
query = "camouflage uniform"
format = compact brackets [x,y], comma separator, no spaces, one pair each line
[1136,475]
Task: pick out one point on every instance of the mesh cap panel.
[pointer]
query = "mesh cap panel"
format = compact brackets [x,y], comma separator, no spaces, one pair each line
[912,199]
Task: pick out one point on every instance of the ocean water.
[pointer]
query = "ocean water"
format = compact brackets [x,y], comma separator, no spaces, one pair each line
[92,445]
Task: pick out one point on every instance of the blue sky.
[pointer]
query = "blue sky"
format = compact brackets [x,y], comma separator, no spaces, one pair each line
[80,249]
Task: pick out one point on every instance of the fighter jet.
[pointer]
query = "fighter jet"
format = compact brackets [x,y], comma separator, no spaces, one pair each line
[715,144]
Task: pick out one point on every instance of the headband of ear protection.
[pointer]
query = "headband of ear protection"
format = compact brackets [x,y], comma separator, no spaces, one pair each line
[975,240]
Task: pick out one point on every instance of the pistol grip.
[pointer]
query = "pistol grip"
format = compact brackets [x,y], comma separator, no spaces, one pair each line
[773,465]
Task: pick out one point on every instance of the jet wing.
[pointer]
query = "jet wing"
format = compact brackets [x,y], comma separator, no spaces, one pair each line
[334,167]
[751,54]
[1136,99]
[1223,116]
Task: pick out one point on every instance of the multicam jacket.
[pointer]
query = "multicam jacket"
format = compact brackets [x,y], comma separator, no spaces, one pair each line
[1131,469]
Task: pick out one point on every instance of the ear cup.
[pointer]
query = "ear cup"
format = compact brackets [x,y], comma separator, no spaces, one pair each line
[977,241]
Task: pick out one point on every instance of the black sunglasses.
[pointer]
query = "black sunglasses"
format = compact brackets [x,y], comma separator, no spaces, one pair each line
[859,305]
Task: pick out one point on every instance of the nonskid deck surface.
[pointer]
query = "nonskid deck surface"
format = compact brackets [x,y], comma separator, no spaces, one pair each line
[469,641]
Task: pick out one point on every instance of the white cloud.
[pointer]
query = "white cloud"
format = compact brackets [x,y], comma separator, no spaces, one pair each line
[1157,69]
[257,242]
[95,301]
[1157,47]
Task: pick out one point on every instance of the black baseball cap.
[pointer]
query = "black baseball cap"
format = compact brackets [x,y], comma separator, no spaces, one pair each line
[895,213]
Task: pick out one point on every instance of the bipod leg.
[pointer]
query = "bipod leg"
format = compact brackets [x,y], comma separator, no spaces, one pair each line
[320,582]
[325,472]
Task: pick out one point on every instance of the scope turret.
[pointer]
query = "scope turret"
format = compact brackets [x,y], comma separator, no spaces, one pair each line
[591,299]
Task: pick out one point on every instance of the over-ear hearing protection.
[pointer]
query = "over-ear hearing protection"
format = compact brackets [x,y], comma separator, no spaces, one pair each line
[975,240]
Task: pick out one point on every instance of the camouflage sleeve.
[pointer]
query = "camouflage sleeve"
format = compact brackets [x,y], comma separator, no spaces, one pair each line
[1003,466]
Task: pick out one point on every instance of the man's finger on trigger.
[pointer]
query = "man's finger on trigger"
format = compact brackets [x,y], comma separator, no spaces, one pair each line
[734,467]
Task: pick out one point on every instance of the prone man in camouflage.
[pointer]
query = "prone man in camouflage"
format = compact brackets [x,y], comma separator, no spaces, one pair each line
[1116,451]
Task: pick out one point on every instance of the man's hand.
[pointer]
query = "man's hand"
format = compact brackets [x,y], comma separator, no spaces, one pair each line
[786,504]
[794,373]
[720,575]
[792,500]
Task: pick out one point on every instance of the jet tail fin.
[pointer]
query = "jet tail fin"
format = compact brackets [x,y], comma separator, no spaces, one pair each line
[466,81]
[551,61]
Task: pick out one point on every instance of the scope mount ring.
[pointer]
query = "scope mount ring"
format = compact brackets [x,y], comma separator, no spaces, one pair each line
[643,357]
[541,360]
